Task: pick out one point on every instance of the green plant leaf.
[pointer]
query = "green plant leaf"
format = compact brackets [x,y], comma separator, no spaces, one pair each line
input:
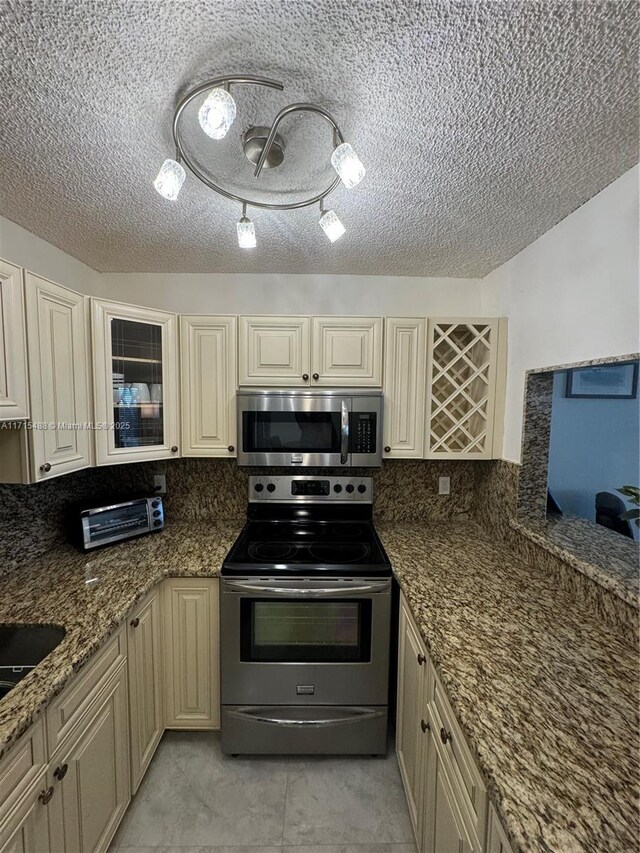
[632,493]
[631,513]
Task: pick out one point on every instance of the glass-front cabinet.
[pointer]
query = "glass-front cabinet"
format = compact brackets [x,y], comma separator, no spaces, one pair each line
[136,383]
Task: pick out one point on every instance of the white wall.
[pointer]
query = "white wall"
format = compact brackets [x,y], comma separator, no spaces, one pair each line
[21,247]
[572,295]
[296,294]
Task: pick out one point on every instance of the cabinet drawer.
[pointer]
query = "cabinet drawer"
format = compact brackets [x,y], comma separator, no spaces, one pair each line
[22,766]
[457,755]
[67,709]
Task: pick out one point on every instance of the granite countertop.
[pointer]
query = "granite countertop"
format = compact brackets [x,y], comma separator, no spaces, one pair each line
[545,693]
[89,595]
[607,558]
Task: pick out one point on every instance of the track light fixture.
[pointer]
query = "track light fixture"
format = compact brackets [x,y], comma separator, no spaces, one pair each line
[263,146]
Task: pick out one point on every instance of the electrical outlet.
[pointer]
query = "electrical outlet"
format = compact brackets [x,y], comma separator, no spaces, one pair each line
[444,485]
[160,484]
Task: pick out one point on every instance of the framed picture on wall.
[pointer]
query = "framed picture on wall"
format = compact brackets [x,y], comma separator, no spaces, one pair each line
[603,380]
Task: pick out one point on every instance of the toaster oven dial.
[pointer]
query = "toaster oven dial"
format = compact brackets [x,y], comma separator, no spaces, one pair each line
[155,504]
[349,487]
[258,487]
[157,522]
[271,487]
[157,513]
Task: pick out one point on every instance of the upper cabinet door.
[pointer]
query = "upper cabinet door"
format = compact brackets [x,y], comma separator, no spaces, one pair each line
[57,338]
[135,353]
[13,355]
[208,364]
[462,380]
[404,386]
[273,351]
[347,351]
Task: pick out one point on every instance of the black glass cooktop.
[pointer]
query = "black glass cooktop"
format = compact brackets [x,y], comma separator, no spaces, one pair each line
[304,546]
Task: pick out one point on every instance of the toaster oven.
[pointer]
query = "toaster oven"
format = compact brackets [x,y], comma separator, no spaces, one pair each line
[113,522]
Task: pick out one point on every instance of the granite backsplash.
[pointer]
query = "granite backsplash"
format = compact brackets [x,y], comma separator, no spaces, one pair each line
[32,518]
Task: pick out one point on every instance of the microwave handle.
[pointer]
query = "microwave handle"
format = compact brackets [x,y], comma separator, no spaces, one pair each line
[344,432]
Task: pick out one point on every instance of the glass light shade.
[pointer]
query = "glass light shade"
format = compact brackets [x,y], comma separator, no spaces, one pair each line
[347,164]
[170,179]
[331,225]
[217,113]
[246,233]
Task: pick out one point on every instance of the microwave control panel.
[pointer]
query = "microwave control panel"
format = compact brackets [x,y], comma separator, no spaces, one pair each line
[362,430]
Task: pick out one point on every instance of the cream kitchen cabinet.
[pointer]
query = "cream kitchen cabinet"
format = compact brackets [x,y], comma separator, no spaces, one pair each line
[24,825]
[445,793]
[90,773]
[60,440]
[404,387]
[465,387]
[13,353]
[192,647]
[497,841]
[310,351]
[208,369]
[413,670]
[26,829]
[274,350]
[135,371]
[346,351]
[146,694]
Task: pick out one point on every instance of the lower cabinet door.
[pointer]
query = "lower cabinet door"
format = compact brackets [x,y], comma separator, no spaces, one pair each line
[443,830]
[146,705]
[192,665]
[91,777]
[26,830]
[410,739]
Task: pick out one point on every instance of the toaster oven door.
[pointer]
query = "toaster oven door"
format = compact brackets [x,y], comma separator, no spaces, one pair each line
[110,524]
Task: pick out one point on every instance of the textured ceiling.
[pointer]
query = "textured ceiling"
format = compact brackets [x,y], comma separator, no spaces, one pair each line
[481,125]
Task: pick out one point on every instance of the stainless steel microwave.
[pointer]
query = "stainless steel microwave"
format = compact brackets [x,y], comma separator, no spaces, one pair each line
[310,428]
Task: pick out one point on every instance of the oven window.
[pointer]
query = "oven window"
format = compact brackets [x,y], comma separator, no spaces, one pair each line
[291,432]
[327,631]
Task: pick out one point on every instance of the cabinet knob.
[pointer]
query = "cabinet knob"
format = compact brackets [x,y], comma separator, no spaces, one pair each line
[135,622]
[46,467]
[231,448]
[421,659]
[424,726]
[305,376]
[387,449]
[60,772]
[445,736]
[45,795]
[316,376]
[174,449]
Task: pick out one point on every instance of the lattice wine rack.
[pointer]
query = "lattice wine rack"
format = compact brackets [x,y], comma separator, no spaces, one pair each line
[462,388]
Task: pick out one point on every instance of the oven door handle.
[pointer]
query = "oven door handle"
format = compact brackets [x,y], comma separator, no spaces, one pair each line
[318,592]
[338,717]
[344,432]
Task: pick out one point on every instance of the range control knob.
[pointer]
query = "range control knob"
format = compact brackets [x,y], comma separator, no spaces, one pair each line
[157,522]
[362,488]
[337,488]
[271,487]
[349,488]
[258,487]
[155,504]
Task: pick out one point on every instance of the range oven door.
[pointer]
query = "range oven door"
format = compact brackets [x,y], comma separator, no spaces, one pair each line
[293,429]
[292,642]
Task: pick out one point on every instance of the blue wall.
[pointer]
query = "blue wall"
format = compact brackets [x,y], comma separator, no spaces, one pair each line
[595,447]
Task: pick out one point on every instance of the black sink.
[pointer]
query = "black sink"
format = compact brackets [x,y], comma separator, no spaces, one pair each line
[21,648]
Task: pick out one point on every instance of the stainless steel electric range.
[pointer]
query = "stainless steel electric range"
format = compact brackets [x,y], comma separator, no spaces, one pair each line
[305,615]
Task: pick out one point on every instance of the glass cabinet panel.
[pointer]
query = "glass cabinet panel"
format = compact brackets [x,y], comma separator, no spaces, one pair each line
[136,350]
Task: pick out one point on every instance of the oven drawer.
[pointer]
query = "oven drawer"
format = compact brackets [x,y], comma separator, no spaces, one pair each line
[290,730]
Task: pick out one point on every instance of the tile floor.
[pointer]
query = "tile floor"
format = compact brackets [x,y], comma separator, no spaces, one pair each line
[196,800]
